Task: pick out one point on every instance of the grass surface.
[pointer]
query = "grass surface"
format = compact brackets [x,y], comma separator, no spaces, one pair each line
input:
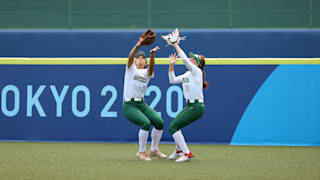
[118,161]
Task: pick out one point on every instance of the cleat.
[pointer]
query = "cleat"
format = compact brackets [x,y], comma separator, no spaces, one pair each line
[143,156]
[176,154]
[185,157]
[157,154]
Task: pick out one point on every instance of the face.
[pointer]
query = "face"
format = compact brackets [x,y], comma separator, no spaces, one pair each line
[141,62]
[195,62]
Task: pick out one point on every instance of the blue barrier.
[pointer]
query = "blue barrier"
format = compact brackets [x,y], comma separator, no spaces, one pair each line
[245,104]
[83,102]
[285,109]
[117,43]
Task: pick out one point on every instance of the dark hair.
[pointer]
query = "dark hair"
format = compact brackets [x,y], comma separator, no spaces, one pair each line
[141,53]
[203,63]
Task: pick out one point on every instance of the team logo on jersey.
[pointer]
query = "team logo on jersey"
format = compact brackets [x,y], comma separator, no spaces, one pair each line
[185,80]
[140,79]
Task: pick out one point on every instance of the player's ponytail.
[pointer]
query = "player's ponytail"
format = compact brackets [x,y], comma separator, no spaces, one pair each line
[203,63]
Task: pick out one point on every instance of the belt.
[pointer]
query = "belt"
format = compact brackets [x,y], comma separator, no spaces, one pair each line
[194,100]
[133,99]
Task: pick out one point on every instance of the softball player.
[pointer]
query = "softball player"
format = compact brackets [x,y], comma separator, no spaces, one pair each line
[192,84]
[135,109]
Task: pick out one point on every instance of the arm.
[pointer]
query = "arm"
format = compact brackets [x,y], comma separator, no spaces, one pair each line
[136,47]
[133,53]
[184,57]
[172,77]
[151,64]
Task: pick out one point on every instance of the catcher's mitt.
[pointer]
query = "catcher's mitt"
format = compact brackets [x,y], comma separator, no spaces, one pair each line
[147,38]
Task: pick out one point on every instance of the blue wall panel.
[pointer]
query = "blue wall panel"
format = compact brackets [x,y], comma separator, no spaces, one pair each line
[231,89]
[117,43]
[252,104]
[240,108]
[285,110]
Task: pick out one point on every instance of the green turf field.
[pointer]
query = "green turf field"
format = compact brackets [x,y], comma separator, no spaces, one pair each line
[117,161]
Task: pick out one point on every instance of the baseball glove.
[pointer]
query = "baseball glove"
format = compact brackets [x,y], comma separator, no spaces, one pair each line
[173,37]
[147,38]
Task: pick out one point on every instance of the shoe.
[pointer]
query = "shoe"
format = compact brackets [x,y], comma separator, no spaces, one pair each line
[143,156]
[185,157]
[157,154]
[176,154]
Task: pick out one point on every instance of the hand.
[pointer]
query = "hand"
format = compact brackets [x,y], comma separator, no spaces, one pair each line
[154,49]
[173,58]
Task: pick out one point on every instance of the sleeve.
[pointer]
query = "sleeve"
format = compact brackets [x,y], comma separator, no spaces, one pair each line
[132,68]
[173,79]
[146,74]
[187,62]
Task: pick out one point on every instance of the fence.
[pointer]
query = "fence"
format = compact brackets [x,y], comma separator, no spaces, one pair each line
[78,14]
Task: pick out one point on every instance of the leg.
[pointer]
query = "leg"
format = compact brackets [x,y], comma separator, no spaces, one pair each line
[135,115]
[157,122]
[156,132]
[184,118]
[188,115]
[153,116]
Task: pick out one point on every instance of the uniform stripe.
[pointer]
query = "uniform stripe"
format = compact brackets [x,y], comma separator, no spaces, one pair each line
[209,61]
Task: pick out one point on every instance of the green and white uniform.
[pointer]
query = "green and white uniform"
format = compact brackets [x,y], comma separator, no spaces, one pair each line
[192,82]
[136,110]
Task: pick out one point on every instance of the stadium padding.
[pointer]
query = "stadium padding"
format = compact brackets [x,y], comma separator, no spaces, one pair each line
[117,43]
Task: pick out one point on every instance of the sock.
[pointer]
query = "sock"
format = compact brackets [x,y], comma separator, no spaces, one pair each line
[178,148]
[156,136]
[179,139]
[143,138]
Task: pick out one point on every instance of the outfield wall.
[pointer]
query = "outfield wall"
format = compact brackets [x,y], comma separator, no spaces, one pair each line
[117,43]
[249,101]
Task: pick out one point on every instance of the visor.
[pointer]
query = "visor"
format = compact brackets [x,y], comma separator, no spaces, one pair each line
[196,57]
